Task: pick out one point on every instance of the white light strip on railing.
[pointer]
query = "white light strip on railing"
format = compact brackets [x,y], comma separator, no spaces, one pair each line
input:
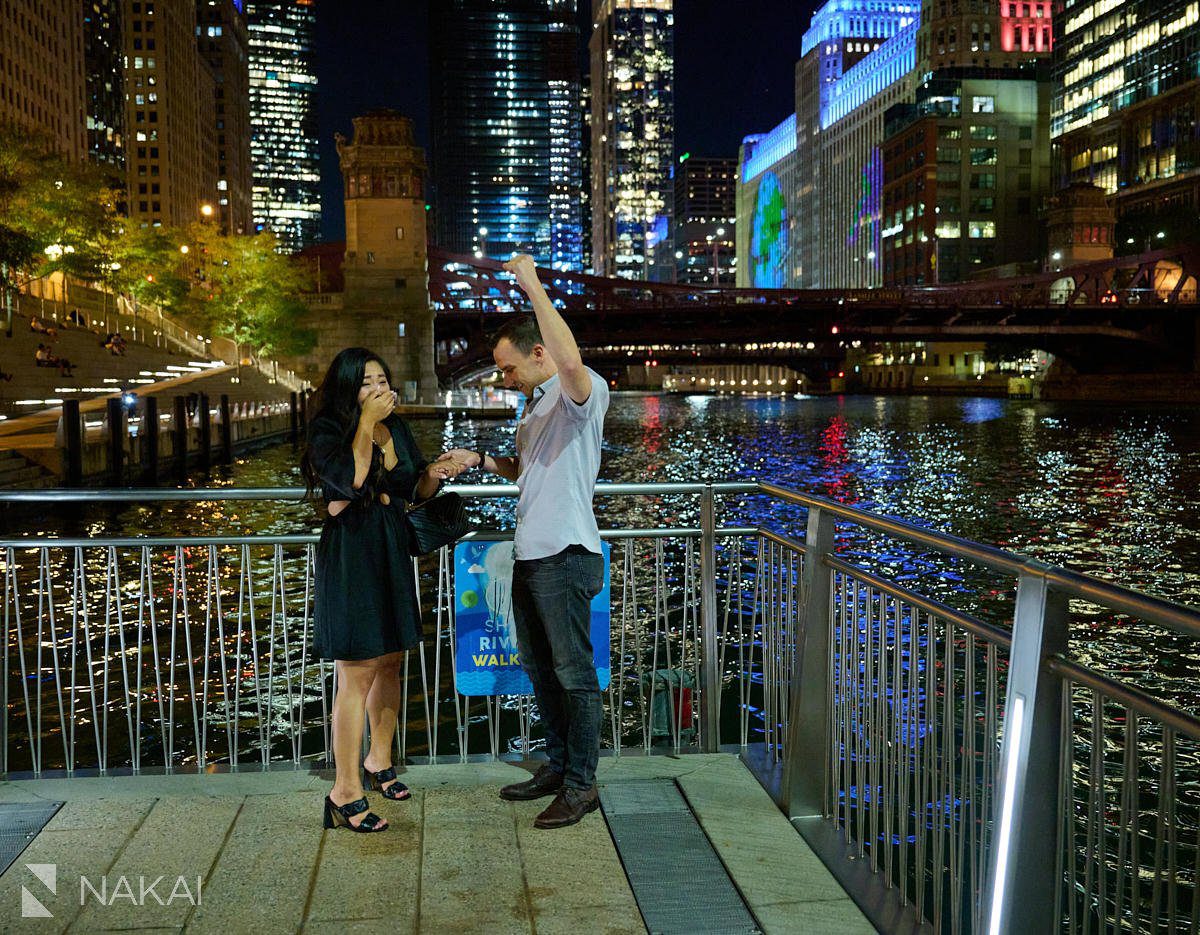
[1012,735]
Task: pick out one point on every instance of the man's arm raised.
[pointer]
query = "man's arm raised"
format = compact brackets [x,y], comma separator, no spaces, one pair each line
[556,334]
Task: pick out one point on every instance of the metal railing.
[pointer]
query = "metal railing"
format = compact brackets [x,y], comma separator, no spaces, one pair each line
[953,772]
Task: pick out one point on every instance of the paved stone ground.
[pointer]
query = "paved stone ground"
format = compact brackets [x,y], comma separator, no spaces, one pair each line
[456,858]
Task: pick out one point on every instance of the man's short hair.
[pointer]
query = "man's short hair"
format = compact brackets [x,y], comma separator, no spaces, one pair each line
[523,334]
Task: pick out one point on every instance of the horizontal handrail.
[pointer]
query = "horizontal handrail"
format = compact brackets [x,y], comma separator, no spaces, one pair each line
[944,611]
[1128,695]
[987,555]
[470,491]
[122,542]
[1179,617]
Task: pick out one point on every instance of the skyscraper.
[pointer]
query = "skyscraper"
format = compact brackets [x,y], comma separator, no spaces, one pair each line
[283,143]
[1126,101]
[105,84]
[633,137]
[507,130]
[42,72]
[704,220]
[222,41]
[170,113]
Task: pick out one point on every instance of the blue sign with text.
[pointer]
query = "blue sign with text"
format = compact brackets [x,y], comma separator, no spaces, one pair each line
[486,658]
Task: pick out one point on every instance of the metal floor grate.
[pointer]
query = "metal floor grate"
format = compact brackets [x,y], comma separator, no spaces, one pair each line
[679,882]
[20,823]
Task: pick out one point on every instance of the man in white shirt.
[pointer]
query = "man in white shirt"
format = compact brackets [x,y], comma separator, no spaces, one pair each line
[558,567]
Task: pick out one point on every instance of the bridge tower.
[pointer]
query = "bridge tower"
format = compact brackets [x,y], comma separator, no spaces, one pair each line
[385,303]
[1080,224]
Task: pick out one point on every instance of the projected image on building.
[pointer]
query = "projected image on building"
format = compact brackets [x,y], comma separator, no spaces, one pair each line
[769,237]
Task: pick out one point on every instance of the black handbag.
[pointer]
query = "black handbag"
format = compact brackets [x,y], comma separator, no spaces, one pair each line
[436,522]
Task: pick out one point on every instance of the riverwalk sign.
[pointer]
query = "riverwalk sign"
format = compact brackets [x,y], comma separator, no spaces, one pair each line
[485,650]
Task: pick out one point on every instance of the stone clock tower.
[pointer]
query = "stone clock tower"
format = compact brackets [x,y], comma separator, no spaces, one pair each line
[385,302]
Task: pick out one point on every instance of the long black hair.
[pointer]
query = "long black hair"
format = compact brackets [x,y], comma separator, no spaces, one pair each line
[337,399]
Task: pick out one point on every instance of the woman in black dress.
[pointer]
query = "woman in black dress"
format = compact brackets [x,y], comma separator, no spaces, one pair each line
[364,459]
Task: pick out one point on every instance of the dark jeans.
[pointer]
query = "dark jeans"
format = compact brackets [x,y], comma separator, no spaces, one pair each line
[551,601]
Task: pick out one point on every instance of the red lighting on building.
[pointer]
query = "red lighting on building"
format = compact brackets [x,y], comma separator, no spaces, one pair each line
[1026,26]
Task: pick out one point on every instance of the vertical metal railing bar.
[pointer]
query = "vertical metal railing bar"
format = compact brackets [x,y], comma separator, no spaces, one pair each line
[295,698]
[1126,811]
[69,729]
[273,610]
[445,594]
[1095,806]
[322,680]
[926,788]
[789,674]
[942,766]
[263,722]
[767,639]
[1168,780]
[166,716]
[907,745]
[991,730]
[41,642]
[173,655]
[700,662]
[746,644]
[629,619]
[868,776]
[81,571]
[733,590]
[969,860]
[1066,868]
[710,721]
[10,600]
[55,652]
[140,665]
[181,593]
[135,745]
[202,754]
[437,678]
[648,737]
[214,561]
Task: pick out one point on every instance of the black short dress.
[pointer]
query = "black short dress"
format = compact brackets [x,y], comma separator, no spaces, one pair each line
[365,593]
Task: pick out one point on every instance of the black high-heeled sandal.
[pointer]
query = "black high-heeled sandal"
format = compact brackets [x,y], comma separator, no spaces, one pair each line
[397,791]
[338,816]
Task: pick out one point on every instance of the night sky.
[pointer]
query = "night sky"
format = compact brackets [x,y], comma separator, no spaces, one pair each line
[734,73]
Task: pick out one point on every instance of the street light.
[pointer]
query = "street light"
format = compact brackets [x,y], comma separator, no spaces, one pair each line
[206,210]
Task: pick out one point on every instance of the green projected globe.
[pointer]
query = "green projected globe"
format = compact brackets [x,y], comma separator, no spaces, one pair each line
[769,236]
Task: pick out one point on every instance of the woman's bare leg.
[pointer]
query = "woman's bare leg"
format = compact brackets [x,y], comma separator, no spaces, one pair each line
[355,678]
[383,711]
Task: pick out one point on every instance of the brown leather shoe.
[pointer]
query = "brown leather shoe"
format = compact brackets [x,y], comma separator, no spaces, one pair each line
[568,807]
[544,782]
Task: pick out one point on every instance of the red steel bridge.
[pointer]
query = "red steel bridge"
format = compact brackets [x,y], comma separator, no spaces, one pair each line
[1137,313]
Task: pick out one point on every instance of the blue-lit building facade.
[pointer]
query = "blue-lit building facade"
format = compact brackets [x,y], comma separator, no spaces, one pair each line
[507,129]
[283,118]
[1127,105]
[857,59]
[633,138]
[767,247]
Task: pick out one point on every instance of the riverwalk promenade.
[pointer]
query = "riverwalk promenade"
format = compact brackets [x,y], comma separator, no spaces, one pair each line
[456,858]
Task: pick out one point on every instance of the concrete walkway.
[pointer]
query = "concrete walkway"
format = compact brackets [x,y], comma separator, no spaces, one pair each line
[456,858]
